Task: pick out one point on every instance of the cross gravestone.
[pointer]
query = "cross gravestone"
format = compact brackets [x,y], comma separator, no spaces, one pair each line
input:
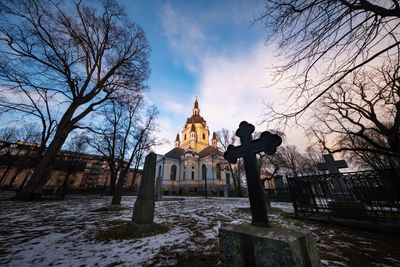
[143,211]
[332,166]
[257,244]
[344,204]
[267,143]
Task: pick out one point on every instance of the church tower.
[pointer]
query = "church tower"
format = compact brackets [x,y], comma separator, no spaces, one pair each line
[195,133]
[177,141]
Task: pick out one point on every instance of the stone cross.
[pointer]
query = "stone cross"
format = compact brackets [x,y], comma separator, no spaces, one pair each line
[143,211]
[267,143]
[331,165]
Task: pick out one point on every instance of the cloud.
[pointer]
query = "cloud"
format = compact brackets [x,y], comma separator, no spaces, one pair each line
[231,87]
[185,37]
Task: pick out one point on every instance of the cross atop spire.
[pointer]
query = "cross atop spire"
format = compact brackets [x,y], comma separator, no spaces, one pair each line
[196,110]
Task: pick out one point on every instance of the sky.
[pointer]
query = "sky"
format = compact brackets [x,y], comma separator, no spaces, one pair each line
[212,50]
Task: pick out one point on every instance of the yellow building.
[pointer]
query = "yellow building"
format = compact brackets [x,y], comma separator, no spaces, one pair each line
[194,166]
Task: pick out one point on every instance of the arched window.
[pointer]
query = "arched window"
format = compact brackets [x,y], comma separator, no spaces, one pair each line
[192,175]
[159,171]
[204,136]
[173,173]
[218,171]
[203,172]
[184,137]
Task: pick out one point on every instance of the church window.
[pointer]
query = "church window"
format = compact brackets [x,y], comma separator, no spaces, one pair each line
[204,172]
[184,175]
[173,173]
[159,171]
[204,136]
[192,175]
[227,178]
[184,137]
[218,172]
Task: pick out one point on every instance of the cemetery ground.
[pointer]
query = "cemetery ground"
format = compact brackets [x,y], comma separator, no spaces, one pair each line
[72,233]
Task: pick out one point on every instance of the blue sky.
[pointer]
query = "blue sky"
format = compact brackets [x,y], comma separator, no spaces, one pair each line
[209,49]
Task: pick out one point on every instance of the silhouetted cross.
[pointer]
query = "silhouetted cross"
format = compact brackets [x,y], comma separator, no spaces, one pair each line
[267,143]
[331,165]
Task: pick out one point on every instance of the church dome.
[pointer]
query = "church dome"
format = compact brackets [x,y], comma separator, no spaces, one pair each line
[195,119]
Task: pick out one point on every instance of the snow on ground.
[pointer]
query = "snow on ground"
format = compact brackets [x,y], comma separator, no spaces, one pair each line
[62,233]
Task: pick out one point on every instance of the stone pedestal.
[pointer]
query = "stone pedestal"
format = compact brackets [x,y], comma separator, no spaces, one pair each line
[247,245]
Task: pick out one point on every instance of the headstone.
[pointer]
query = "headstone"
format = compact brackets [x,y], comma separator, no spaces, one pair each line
[267,143]
[143,211]
[331,165]
[344,204]
[281,189]
[158,188]
[257,244]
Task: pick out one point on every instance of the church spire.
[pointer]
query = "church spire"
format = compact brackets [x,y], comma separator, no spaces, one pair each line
[214,140]
[196,110]
[177,141]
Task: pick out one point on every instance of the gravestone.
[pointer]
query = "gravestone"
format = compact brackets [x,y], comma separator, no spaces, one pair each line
[344,204]
[258,244]
[158,188]
[143,211]
[281,189]
[332,166]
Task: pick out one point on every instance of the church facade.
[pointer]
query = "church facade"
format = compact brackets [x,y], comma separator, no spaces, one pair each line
[194,166]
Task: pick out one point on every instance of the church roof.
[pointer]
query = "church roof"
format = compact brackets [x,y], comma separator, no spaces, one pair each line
[210,150]
[175,153]
[196,104]
[195,119]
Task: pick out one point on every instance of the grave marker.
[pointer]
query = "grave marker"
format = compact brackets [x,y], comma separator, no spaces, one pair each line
[256,244]
[331,165]
[143,211]
[267,143]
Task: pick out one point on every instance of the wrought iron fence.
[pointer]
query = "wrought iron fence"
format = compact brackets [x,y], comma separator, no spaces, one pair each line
[357,195]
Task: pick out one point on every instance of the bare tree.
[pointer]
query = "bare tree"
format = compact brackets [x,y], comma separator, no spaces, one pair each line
[112,138]
[226,138]
[361,116]
[142,142]
[75,148]
[323,42]
[80,56]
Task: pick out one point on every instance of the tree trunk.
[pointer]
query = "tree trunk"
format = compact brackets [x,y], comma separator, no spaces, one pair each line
[39,178]
[104,187]
[64,187]
[117,195]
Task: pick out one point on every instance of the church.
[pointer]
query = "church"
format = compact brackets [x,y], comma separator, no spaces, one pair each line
[193,166]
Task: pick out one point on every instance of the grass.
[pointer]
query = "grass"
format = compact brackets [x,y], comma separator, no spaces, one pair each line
[119,230]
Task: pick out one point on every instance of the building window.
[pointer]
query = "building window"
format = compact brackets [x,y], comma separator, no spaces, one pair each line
[218,172]
[204,136]
[204,172]
[173,173]
[184,137]
[227,177]
[184,175]
[192,175]
[159,171]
